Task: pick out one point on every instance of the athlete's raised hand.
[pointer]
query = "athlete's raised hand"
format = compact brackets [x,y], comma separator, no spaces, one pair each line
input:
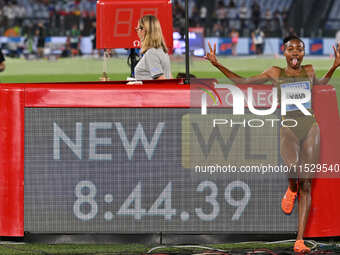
[211,56]
[336,56]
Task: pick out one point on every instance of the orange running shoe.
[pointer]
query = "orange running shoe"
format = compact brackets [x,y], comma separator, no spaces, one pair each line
[288,201]
[300,247]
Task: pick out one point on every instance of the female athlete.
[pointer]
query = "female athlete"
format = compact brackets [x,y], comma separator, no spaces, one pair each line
[299,145]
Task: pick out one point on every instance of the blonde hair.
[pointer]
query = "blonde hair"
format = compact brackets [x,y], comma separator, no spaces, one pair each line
[153,34]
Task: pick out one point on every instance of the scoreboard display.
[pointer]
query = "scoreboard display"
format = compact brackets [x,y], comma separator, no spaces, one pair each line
[124,170]
[117,20]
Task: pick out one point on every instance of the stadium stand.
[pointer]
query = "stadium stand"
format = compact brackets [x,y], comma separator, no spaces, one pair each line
[269,14]
[59,15]
[20,17]
[333,22]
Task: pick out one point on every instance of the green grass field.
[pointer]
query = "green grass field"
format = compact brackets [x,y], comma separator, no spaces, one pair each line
[90,69]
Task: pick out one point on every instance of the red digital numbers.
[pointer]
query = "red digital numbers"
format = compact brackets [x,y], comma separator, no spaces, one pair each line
[123,22]
[116,21]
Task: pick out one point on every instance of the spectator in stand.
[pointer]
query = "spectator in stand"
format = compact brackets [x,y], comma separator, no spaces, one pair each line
[256,14]
[268,18]
[232,15]
[195,20]
[9,14]
[179,17]
[53,18]
[28,6]
[203,15]
[85,6]
[86,20]
[40,10]
[279,20]
[244,15]
[191,9]
[234,40]
[284,14]
[221,13]
[19,11]
[58,16]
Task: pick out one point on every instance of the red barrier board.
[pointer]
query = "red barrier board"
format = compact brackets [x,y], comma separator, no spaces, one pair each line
[14,98]
[324,217]
[11,161]
[116,22]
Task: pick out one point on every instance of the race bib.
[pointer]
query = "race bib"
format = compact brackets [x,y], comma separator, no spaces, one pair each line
[298,91]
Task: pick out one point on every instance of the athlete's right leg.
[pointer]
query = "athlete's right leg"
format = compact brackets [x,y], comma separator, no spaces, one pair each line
[290,152]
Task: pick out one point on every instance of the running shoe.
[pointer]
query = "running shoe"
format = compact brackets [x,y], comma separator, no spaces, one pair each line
[300,247]
[288,201]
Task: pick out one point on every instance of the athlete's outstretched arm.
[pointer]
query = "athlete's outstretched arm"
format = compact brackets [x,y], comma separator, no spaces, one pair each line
[261,78]
[325,79]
